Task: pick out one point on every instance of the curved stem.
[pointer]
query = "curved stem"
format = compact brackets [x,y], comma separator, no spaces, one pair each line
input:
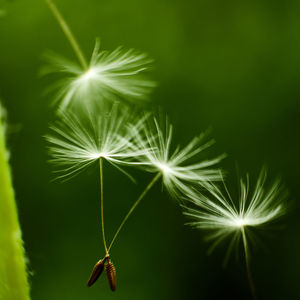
[68,33]
[135,204]
[101,205]
[250,279]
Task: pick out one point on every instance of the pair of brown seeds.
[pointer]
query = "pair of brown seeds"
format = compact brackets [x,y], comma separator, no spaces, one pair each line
[110,271]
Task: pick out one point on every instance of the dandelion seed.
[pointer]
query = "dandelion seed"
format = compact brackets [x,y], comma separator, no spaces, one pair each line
[97,271]
[111,275]
[217,213]
[109,75]
[110,271]
[177,174]
[78,141]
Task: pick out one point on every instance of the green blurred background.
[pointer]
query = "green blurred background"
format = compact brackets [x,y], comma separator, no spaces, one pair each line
[233,66]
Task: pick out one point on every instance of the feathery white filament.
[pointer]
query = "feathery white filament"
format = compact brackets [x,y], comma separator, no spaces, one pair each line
[219,214]
[176,173]
[118,73]
[78,141]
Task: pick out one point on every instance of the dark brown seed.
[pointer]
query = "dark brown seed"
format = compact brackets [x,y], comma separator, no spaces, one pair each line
[98,269]
[111,275]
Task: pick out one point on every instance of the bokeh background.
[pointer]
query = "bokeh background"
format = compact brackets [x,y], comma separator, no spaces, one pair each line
[233,66]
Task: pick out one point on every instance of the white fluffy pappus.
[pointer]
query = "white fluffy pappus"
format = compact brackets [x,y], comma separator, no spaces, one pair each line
[218,213]
[110,75]
[78,140]
[177,173]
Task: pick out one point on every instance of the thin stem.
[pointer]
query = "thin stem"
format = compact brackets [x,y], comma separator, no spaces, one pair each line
[250,279]
[135,204]
[68,33]
[101,205]
[14,284]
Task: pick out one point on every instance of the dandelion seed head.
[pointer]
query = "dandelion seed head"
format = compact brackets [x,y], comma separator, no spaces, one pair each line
[218,213]
[77,141]
[178,173]
[110,74]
